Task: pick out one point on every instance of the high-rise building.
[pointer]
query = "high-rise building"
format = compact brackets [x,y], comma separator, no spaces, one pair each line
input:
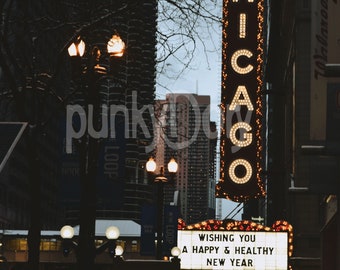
[186,133]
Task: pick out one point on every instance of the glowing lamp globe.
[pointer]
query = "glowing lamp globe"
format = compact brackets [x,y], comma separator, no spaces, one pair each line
[175,251]
[116,46]
[119,250]
[172,166]
[151,165]
[112,233]
[77,48]
[67,232]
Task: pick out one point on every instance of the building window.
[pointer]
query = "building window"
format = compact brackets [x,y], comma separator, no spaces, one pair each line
[134,246]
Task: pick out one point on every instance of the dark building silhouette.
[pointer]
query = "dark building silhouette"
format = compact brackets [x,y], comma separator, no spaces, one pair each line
[302,146]
[38,79]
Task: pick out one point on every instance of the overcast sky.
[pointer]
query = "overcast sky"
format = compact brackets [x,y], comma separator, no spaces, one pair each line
[203,78]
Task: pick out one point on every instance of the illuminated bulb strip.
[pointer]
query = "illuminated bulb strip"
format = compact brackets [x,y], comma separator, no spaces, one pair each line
[242,28]
[246,177]
[248,137]
[219,190]
[259,72]
[234,64]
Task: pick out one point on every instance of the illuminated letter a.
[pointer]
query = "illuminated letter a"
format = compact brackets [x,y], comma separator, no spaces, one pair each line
[241,90]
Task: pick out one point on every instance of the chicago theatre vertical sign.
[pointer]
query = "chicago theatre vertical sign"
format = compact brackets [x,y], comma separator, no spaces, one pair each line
[241,100]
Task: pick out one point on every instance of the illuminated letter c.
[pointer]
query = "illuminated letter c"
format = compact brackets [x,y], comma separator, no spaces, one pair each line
[234,64]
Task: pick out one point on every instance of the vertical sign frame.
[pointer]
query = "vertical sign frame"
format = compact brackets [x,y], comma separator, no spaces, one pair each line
[241,100]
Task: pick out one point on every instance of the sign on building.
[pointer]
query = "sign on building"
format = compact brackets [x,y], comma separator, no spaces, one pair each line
[258,248]
[241,100]
[233,250]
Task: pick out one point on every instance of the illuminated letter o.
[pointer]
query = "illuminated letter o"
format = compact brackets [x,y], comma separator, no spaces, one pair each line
[234,64]
[246,177]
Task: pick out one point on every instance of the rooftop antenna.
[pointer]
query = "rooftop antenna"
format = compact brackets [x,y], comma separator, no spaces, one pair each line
[196,87]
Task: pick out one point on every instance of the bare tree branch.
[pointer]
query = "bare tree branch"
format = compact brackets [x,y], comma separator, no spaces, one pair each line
[185,30]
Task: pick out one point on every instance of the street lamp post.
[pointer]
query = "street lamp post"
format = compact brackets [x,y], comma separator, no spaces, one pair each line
[160,180]
[175,252]
[88,152]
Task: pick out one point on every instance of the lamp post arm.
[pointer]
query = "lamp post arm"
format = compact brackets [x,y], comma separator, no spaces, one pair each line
[102,247]
[69,245]
[108,244]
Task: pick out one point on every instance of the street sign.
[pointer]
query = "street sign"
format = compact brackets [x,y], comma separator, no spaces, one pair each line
[170,228]
[148,229]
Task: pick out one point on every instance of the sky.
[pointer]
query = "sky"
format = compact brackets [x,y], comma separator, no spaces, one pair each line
[203,77]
